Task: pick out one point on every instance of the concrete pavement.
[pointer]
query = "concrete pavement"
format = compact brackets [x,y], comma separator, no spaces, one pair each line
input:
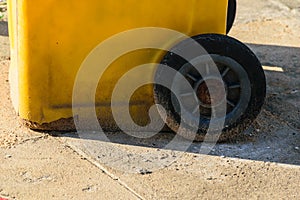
[263,165]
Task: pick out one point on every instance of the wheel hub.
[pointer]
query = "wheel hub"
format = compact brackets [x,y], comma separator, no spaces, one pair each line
[214,96]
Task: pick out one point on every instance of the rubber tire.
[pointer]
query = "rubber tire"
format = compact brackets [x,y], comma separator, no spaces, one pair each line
[224,46]
[231,14]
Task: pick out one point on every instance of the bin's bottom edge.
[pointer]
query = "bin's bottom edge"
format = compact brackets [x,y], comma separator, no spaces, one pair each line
[65,124]
[68,125]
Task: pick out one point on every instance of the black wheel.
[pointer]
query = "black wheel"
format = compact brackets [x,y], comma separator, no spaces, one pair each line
[231,13]
[240,76]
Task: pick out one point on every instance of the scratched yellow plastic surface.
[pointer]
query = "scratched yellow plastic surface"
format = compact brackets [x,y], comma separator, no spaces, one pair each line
[50,39]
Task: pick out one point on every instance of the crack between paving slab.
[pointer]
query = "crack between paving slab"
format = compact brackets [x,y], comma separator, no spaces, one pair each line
[34,138]
[102,168]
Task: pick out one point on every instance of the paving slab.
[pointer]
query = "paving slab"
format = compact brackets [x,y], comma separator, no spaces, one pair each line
[181,175]
[44,168]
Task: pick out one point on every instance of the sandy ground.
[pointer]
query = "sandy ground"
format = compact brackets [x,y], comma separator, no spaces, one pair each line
[264,164]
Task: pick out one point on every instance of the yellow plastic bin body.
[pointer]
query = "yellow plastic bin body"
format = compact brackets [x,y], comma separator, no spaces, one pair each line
[50,40]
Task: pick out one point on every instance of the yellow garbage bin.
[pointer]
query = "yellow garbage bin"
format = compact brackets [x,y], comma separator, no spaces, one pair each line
[51,39]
